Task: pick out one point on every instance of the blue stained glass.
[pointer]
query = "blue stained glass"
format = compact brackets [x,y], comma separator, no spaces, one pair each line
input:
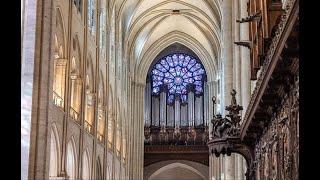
[170,99]
[184,91]
[165,64]
[184,98]
[190,80]
[161,68]
[198,72]
[198,83]
[157,83]
[175,61]
[172,91]
[198,89]
[166,80]
[194,68]
[191,63]
[198,77]
[170,62]
[181,62]
[157,78]
[184,70]
[186,61]
[168,75]
[157,72]
[187,75]
[155,89]
[177,71]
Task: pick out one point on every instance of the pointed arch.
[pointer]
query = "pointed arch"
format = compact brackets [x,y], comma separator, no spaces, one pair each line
[60,31]
[209,61]
[76,63]
[54,165]
[71,166]
[180,165]
[86,165]
[98,169]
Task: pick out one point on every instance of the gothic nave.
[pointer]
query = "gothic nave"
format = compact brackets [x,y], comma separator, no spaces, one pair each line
[160,89]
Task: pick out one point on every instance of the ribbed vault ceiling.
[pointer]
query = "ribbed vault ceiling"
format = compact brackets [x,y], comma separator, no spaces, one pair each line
[143,23]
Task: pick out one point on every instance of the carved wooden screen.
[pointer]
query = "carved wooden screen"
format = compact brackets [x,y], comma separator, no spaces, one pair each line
[261,30]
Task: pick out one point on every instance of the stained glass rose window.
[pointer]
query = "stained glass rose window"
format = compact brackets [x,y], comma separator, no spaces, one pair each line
[178,74]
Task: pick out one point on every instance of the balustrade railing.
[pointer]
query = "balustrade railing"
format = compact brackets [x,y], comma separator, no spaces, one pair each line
[74,114]
[57,100]
[183,135]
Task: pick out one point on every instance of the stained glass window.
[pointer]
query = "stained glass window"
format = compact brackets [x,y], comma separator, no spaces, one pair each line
[178,74]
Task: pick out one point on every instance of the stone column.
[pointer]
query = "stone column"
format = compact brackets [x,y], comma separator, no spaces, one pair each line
[245,58]
[221,173]
[240,169]
[236,55]
[28,39]
[136,144]
[40,86]
[211,92]
[227,51]
[229,167]
[213,161]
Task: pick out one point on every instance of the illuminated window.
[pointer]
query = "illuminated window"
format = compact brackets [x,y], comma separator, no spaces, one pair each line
[91,16]
[77,3]
[178,74]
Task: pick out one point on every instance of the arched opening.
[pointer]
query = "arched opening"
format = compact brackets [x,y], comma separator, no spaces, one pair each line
[54,153]
[98,170]
[101,110]
[86,166]
[59,63]
[102,30]
[71,161]
[109,173]
[92,17]
[76,81]
[172,171]
[176,96]
[110,118]
[118,126]
[89,98]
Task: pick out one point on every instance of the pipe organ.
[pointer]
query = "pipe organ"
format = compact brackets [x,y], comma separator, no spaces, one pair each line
[175,101]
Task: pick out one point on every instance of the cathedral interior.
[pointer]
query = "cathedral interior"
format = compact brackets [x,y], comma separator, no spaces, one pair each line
[160,89]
